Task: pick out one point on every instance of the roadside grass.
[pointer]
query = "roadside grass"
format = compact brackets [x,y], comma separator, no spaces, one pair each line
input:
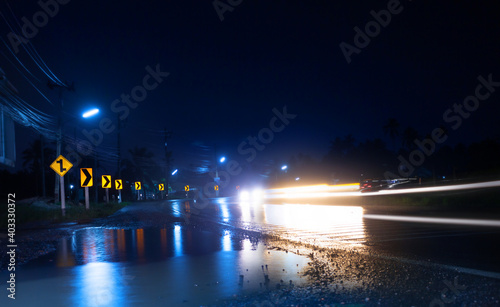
[25,214]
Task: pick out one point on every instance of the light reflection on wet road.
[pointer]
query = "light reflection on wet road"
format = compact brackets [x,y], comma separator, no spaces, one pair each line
[169,266]
[336,226]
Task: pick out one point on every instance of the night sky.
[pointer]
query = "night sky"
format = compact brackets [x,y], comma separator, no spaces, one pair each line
[225,77]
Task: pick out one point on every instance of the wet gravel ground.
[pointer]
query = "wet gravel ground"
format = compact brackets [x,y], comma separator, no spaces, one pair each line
[336,277]
[349,278]
[32,243]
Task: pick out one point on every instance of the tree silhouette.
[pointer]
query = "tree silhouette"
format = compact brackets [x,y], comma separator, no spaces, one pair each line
[141,167]
[409,137]
[391,128]
[32,161]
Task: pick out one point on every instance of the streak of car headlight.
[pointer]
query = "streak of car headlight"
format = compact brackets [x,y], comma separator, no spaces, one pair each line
[320,190]
[257,194]
[244,196]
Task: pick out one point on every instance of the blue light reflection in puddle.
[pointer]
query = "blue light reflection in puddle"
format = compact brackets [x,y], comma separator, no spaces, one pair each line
[176,265]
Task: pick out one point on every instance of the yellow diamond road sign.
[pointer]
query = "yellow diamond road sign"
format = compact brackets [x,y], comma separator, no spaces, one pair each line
[137,185]
[216,188]
[161,186]
[106,181]
[118,184]
[61,166]
[86,177]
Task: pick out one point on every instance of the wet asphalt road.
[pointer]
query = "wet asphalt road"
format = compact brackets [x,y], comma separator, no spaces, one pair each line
[345,227]
[172,253]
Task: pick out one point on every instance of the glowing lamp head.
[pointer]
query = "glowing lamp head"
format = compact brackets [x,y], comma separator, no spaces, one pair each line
[90,113]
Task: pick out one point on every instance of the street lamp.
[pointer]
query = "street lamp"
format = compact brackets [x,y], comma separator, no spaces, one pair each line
[284,167]
[59,185]
[90,113]
[217,179]
[175,172]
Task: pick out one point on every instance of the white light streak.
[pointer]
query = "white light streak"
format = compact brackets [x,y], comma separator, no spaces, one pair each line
[435,220]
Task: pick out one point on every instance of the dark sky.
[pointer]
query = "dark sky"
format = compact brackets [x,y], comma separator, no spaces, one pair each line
[227,76]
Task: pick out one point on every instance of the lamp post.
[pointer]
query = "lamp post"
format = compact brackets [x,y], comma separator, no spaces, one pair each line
[284,168]
[88,114]
[168,156]
[61,87]
[217,179]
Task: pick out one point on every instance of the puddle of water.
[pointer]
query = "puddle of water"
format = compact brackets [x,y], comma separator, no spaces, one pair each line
[172,266]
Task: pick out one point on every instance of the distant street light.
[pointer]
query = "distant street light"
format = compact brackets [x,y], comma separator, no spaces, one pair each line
[90,113]
[284,167]
[222,159]
[174,172]
[297,179]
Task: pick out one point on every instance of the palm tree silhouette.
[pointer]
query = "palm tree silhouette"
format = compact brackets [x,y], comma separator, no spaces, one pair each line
[409,137]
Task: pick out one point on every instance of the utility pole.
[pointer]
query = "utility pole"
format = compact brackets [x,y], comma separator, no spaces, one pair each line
[216,179]
[119,145]
[96,189]
[168,134]
[43,166]
[61,87]
[119,164]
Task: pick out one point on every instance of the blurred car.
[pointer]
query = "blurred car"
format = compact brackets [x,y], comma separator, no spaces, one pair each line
[251,194]
[375,185]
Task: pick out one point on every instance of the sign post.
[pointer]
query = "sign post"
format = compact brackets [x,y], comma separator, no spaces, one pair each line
[161,187]
[61,166]
[119,187]
[138,188]
[106,184]
[86,181]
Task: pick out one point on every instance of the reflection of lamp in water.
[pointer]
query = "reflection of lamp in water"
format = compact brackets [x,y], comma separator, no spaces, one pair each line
[140,243]
[163,238]
[120,238]
[99,284]
[187,211]
[65,258]
[226,242]
[177,240]
[320,221]
[225,212]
